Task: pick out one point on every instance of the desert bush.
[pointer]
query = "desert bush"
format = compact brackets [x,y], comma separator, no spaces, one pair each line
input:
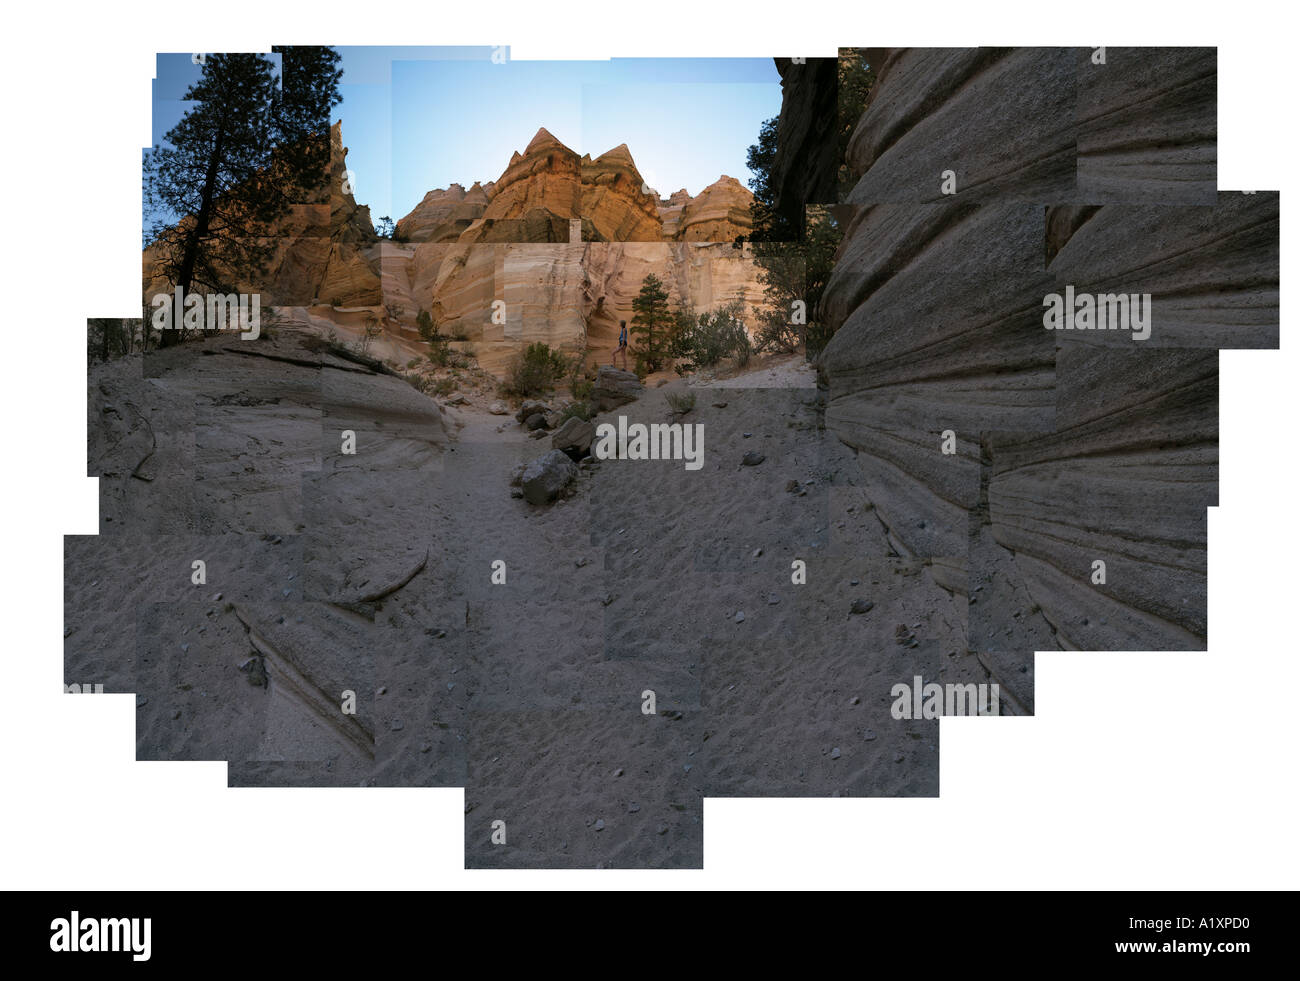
[579,410]
[711,337]
[681,402]
[535,370]
[775,333]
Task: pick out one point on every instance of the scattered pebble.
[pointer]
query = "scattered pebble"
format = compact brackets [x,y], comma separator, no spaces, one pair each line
[740,616]
[861,606]
[835,753]
[752,459]
[599,825]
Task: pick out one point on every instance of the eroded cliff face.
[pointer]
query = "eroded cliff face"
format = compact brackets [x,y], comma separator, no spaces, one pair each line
[444,214]
[547,187]
[565,241]
[567,296]
[1068,447]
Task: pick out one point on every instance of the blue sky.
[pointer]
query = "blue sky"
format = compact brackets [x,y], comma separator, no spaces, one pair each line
[417,118]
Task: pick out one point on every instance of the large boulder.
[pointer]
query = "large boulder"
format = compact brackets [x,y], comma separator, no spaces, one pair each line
[574,438]
[531,407]
[614,387]
[546,477]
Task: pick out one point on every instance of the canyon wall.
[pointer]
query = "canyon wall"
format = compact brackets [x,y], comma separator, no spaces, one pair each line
[564,240]
[1068,448]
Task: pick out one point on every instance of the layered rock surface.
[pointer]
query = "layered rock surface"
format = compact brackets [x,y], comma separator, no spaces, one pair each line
[1067,448]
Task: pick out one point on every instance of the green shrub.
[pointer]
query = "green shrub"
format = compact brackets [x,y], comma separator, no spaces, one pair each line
[578,410]
[535,370]
[712,337]
[681,402]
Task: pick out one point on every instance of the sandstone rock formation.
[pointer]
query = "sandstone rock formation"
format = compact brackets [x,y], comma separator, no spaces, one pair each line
[320,251]
[719,213]
[565,241]
[1066,448]
[614,387]
[574,437]
[1050,125]
[444,214]
[548,186]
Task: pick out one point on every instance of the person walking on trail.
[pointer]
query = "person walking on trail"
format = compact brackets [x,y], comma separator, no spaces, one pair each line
[622,345]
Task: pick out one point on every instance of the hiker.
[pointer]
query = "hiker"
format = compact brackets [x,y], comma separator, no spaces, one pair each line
[622,345]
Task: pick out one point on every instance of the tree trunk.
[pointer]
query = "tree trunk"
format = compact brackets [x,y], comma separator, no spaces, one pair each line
[201,221]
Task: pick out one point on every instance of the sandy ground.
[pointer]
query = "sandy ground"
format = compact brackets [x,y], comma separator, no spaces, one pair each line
[372,574]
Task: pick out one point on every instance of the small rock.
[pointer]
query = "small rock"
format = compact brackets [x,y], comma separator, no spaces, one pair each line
[792,487]
[633,807]
[855,700]
[740,616]
[752,459]
[757,553]
[835,753]
[176,715]
[599,825]
[426,747]
[861,606]
[868,736]
[499,408]
[618,772]
[773,599]
[719,405]
[397,725]
[609,598]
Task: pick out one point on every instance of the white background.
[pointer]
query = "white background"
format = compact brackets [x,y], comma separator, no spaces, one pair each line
[1139,770]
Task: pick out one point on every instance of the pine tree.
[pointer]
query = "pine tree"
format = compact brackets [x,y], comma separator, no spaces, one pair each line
[651,321]
[255,142]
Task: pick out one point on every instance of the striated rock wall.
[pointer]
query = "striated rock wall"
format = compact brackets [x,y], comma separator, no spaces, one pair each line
[1068,447]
